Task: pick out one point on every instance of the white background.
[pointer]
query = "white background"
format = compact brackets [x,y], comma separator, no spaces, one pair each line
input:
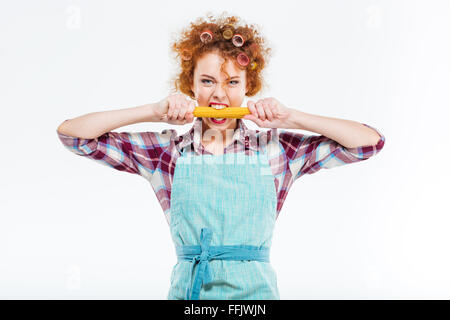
[378,229]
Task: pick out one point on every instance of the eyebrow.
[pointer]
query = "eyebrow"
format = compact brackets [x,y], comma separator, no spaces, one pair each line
[205,75]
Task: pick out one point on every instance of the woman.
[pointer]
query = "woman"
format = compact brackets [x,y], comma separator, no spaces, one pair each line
[221,185]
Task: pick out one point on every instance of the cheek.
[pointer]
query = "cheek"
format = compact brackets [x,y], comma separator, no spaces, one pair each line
[203,93]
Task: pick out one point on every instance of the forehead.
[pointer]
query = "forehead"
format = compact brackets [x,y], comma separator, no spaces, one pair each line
[210,63]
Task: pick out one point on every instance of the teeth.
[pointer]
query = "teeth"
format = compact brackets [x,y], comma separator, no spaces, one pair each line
[219,119]
[217,106]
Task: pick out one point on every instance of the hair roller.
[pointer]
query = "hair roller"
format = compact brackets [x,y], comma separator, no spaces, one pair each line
[238,40]
[206,36]
[242,59]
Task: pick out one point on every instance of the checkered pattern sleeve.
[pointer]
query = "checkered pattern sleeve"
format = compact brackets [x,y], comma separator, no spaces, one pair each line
[307,154]
[133,152]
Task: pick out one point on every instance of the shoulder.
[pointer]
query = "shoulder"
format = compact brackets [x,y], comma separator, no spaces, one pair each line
[280,136]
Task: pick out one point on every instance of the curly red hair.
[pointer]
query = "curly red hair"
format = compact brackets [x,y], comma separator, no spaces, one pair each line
[189,48]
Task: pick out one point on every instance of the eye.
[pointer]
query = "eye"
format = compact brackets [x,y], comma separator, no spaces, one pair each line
[236,81]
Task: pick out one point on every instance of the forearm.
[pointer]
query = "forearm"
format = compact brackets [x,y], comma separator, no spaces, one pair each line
[348,133]
[93,125]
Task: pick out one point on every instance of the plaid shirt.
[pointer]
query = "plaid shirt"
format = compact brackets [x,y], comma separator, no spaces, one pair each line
[153,155]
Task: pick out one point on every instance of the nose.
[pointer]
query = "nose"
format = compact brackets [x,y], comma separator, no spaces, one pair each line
[219,93]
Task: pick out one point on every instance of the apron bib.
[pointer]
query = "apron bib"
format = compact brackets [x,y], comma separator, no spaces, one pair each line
[223,212]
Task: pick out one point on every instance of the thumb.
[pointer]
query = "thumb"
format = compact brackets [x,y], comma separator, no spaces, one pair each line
[252,118]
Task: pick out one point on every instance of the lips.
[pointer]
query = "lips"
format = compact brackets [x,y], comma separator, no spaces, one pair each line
[216,120]
[218,103]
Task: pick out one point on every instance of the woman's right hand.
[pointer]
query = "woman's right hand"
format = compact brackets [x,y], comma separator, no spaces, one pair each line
[176,109]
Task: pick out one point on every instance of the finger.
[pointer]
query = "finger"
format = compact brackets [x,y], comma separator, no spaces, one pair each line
[251,108]
[250,117]
[192,106]
[176,110]
[267,109]
[188,113]
[260,109]
[253,118]
[191,111]
[184,108]
[171,109]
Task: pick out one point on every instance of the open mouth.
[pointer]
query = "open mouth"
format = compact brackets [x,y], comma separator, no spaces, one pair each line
[218,106]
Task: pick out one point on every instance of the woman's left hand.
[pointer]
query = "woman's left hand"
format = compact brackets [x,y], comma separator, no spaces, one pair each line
[268,113]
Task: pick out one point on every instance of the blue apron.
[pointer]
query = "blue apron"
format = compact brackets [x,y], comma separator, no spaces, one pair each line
[223,212]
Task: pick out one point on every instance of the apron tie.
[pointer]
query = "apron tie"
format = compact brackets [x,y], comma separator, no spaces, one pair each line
[202,254]
[203,275]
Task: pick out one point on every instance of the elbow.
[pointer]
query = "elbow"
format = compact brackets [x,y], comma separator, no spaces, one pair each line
[60,128]
[376,138]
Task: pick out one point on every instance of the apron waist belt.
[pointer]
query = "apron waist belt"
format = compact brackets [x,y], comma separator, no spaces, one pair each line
[203,253]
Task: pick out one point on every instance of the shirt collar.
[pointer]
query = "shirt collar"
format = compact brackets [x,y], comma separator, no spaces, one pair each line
[242,135]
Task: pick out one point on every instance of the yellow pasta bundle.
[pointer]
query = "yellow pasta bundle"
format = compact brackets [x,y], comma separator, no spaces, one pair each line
[231,112]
